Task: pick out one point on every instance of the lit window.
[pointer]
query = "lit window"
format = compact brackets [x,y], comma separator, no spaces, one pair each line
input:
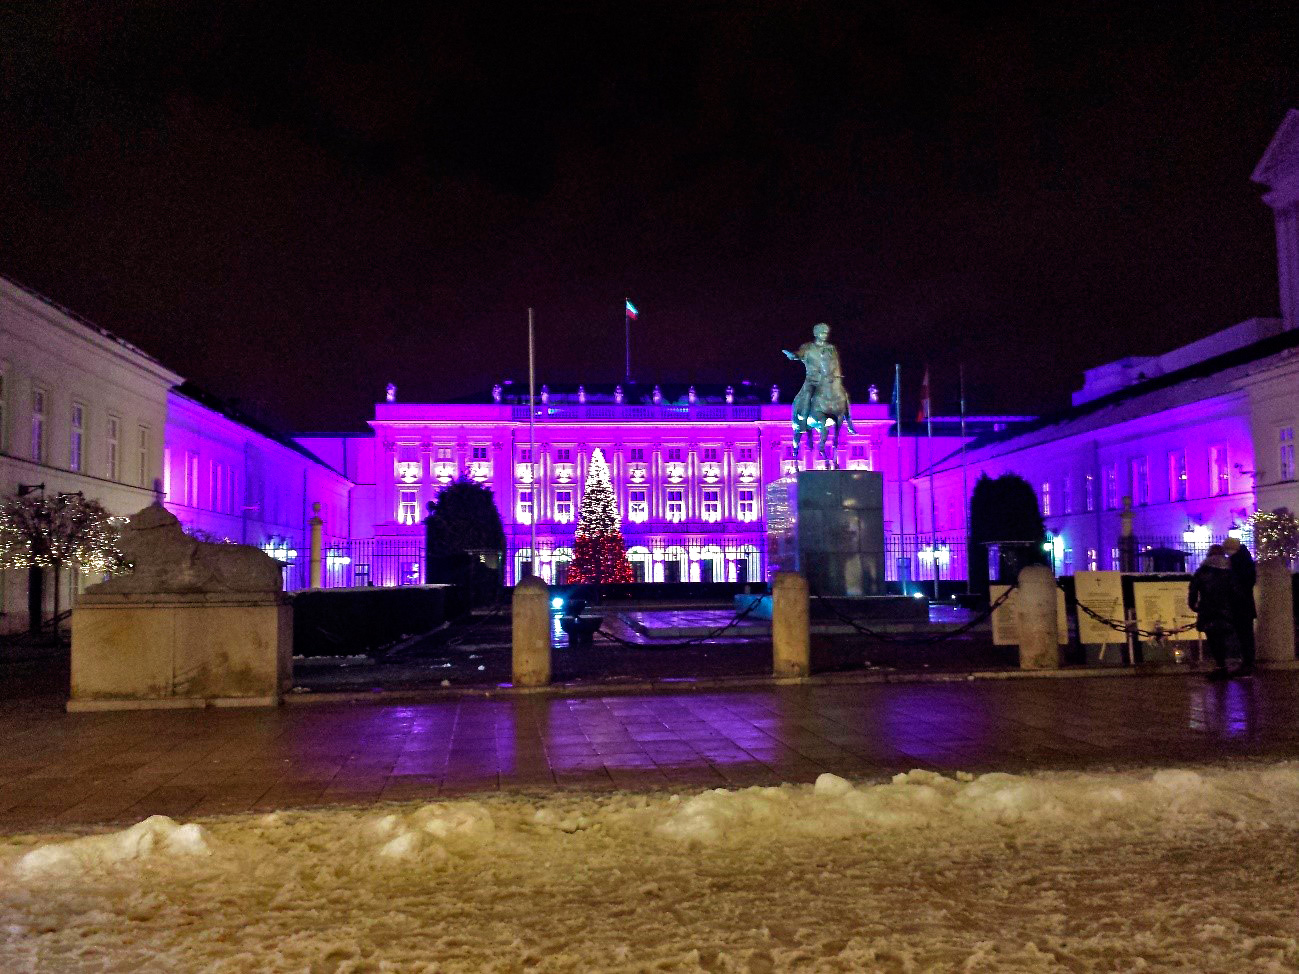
[676,506]
[1177,475]
[1111,487]
[77,439]
[712,507]
[710,454]
[480,453]
[1285,442]
[38,425]
[114,462]
[637,505]
[563,505]
[1139,475]
[525,506]
[564,455]
[674,454]
[444,453]
[1089,492]
[1091,560]
[1046,498]
[191,479]
[638,454]
[407,506]
[1219,472]
[747,504]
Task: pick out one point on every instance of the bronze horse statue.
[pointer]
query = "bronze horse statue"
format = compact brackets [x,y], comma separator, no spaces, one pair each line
[822,403]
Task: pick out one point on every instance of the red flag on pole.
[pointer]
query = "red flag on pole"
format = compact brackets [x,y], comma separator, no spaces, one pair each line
[924,412]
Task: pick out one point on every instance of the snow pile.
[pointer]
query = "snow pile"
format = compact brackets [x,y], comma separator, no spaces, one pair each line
[1164,870]
[834,808]
[156,835]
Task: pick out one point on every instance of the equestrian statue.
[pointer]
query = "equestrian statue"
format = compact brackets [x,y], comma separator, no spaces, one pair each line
[822,402]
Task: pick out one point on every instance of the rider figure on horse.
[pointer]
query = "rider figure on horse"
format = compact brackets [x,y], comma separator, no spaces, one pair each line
[822,400]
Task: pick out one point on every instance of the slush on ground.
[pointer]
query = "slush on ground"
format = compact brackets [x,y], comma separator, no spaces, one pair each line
[1175,869]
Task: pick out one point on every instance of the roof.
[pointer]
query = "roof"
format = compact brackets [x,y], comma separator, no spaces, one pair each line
[745,390]
[1209,368]
[232,412]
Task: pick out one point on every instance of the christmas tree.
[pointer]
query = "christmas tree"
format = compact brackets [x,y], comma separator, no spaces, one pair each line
[599,553]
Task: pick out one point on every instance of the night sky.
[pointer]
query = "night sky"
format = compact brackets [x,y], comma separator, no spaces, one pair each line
[294,204]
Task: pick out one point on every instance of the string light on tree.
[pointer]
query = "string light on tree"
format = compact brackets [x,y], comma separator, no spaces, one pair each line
[599,551]
[1276,534]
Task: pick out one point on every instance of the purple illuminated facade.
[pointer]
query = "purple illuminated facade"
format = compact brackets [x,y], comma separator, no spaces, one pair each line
[689,469]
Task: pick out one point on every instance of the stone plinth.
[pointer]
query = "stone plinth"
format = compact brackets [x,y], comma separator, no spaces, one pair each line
[835,524]
[134,651]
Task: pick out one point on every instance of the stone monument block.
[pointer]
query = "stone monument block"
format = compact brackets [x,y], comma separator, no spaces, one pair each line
[831,531]
[195,624]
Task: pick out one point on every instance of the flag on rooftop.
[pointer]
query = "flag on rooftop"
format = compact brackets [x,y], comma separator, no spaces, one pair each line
[925,412]
[632,313]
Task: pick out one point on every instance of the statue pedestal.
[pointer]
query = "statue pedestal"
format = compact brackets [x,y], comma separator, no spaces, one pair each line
[828,525]
[151,650]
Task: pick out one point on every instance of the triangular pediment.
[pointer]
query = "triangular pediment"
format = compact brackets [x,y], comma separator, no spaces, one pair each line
[1281,160]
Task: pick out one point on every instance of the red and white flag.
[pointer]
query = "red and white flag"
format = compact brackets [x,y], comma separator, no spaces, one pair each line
[925,412]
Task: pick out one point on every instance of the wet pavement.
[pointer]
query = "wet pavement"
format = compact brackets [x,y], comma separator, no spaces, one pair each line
[60,769]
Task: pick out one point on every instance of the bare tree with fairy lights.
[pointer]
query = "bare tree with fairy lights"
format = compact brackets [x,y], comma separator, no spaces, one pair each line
[58,532]
[599,552]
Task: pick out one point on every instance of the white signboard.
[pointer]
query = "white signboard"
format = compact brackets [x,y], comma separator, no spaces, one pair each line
[1102,592]
[1005,618]
[1163,605]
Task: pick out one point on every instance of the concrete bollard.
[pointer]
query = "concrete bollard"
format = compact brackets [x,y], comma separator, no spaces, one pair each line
[317,568]
[791,641]
[1035,603]
[1275,634]
[530,657]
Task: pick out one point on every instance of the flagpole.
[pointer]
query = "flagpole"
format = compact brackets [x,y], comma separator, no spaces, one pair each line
[532,445]
[965,485]
[933,501]
[626,322]
[902,526]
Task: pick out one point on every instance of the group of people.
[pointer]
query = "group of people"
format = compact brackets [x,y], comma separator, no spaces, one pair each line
[1222,598]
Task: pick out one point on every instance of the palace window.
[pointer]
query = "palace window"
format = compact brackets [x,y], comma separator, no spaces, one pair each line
[564,455]
[407,506]
[1089,493]
[1139,474]
[674,454]
[1046,498]
[479,453]
[77,438]
[676,504]
[1177,475]
[1111,487]
[563,505]
[1066,494]
[637,505]
[444,453]
[525,454]
[712,507]
[747,504]
[525,506]
[113,456]
[191,479]
[637,454]
[1285,446]
[858,452]
[39,404]
[143,458]
[710,454]
[1219,471]
[746,454]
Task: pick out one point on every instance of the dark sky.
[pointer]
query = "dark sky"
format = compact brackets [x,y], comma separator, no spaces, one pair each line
[293,204]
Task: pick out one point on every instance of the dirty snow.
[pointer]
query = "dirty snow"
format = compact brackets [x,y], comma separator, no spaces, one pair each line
[1192,870]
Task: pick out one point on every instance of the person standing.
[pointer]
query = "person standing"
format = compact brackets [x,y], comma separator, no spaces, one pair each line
[1245,611]
[1212,597]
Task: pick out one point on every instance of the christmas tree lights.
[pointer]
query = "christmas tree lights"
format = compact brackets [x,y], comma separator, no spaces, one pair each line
[65,530]
[1276,534]
[599,552]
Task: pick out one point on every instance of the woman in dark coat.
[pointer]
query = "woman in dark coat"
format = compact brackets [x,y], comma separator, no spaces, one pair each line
[1213,596]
